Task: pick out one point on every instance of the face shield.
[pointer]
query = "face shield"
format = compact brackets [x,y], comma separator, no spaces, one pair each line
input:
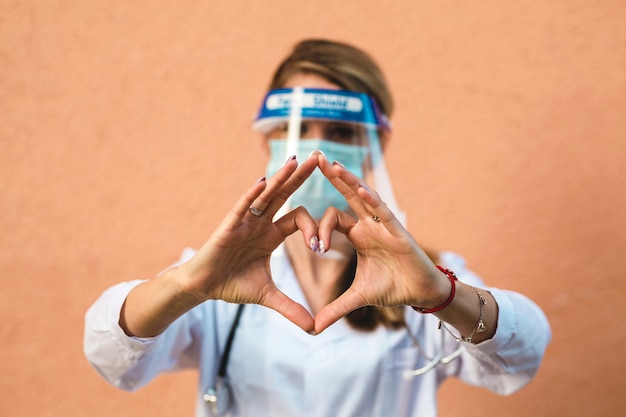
[344,125]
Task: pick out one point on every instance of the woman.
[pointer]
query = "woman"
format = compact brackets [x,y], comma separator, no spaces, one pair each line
[347,280]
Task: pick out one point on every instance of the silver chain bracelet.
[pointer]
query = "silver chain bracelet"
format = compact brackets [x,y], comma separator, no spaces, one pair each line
[480,326]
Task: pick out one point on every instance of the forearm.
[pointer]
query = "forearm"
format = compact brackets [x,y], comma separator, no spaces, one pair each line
[153,305]
[472,310]
[464,313]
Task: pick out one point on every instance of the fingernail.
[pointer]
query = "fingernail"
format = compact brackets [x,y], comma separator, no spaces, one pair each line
[312,333]
[291,158]
[313,244]
[259,180]
[322,248]
[338,163]
[363,185]
[324,155]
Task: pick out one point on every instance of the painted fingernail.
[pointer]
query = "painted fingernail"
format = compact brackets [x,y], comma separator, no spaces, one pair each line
[259,180]
[322,248]
[363,185]
[291,158]
[312,333]
[313,243]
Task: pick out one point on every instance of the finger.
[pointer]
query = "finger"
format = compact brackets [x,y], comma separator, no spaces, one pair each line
[344,304]
[295,180]
[345,182]
[333,219]
[371,204]
[274,184]
[376,208]
[242,206]
[292,311]
[299,219]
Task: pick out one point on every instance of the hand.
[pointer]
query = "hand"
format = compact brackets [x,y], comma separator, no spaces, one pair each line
[392,270]
[234,263]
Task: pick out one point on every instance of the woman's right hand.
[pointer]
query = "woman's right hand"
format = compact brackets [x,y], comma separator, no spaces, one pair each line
[233,265]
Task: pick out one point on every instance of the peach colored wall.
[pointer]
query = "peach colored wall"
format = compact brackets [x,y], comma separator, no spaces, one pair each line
[124,138]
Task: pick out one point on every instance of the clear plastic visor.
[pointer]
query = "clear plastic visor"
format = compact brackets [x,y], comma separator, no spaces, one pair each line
[344,125]
[339,116]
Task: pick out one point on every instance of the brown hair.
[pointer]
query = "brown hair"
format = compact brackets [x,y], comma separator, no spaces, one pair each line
[340,63]
[351,69]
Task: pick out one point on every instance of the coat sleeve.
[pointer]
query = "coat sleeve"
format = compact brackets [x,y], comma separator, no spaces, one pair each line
[509,360]
[130,362]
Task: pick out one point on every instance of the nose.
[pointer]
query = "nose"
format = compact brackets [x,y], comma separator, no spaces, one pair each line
[312,130]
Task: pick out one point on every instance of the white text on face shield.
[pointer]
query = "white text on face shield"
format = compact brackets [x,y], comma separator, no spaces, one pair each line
[332,102]
[316,101]
[335,102]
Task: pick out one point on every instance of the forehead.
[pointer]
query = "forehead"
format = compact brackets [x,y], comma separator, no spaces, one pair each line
[310,80]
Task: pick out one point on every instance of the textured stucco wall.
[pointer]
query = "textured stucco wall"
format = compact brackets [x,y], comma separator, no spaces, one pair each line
[124,137]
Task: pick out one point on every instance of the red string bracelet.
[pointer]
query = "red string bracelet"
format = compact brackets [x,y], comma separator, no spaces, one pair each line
[452,277]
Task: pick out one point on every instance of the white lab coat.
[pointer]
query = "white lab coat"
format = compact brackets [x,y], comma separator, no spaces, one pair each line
[276,369]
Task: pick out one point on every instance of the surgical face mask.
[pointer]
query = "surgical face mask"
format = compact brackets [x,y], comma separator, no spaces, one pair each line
[316,194]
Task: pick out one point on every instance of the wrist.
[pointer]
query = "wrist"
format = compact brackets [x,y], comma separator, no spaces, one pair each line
[153,305]
[472,317]
[183,287]
[200,278]
[445,299]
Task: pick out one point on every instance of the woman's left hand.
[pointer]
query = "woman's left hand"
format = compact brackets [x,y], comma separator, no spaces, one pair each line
[392,270]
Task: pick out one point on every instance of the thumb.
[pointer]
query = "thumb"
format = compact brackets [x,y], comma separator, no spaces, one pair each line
[292,311]
[330,313]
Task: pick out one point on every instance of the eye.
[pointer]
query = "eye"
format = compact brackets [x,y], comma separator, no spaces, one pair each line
[343,133]
[304,128]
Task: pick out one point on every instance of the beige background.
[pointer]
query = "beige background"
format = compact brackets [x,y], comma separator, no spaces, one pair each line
[124,137]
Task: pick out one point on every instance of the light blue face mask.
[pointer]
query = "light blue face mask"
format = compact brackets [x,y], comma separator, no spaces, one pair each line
[316,194]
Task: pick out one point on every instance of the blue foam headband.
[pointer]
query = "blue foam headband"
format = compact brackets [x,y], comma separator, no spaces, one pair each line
[342,105]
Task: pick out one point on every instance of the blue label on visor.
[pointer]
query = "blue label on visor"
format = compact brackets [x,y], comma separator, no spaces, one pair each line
[347,106]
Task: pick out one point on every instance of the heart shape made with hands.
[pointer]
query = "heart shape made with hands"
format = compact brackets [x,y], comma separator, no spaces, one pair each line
[234,264]
[387,254]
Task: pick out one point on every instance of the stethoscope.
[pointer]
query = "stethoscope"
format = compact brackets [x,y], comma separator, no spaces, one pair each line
[219,396]
[434,361]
